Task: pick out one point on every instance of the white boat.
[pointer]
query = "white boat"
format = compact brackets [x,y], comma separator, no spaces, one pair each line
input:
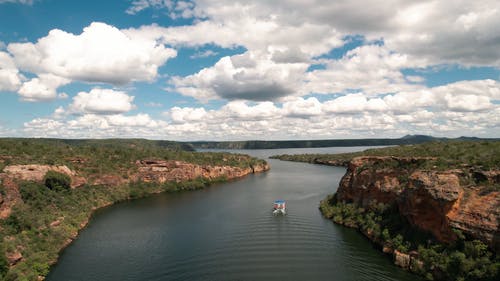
[279,207]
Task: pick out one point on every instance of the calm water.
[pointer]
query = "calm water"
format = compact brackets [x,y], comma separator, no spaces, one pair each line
[227,232]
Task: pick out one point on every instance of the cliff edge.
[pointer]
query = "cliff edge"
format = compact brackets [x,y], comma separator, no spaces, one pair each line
[434,201]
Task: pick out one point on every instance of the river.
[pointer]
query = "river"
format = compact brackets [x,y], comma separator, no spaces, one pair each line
[227,232]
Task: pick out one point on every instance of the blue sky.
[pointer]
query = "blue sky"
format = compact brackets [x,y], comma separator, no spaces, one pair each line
[233,70]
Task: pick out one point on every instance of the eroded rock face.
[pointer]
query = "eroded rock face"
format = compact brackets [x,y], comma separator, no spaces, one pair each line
[36,173]
[427,199]
[163,171]
[159,171]
[434,201]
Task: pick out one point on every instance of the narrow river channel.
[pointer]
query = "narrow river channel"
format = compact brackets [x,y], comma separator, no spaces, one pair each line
[227,232]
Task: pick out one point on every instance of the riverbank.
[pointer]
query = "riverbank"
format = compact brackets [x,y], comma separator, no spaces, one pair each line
[437,212]
[42,214]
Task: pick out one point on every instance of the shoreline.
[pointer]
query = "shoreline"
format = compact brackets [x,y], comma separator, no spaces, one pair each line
[93,211]
[66,223]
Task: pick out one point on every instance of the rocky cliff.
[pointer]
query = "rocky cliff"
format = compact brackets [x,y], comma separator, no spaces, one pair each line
[435,201]
[163,171]
[156,171]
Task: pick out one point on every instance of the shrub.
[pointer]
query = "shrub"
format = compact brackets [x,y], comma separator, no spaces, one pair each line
[4,265]
[57,181]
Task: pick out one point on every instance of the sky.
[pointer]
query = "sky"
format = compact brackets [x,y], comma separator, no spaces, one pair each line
[249,70]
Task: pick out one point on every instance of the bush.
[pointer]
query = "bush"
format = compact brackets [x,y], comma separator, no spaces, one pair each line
[57,181]
[4,265]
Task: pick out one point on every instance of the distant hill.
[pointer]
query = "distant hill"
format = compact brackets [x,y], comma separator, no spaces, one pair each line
[255,144]
[118,143]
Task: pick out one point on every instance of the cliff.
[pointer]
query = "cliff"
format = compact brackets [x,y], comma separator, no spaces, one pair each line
[148,171]
[161,171]
[434,201]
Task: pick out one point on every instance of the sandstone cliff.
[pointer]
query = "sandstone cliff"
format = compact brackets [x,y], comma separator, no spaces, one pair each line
[431,200]
[163,171]
[156,171]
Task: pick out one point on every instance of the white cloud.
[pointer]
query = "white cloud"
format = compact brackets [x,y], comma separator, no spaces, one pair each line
[281,40]
[244,29]
[186,114]
[24,2]
[41,88]
[461,31]
[240,110]
[174,9]
[204,54]
[354,103]
[459,96]
[468,102]
[373,69]
[102,53]
[101,101]
[95,126]
[350,116]
[250,76]
[302,108]
[10,79]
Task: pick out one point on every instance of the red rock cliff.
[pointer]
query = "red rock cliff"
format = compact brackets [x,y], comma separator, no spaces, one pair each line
[162,171]
[159,171]
[434,201]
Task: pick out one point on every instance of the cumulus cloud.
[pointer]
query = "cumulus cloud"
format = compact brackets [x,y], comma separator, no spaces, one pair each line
[302,108]
[244,29]
[373,69]
[269,86]
[10,78]
[101,53]
[461,31]
[95,126]
[250,76]
[240,110]
[41,88]
[471,96]
[186,114]
[101,101]
[354,103]
[349,116]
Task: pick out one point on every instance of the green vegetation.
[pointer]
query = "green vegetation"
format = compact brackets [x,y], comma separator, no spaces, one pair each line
[409,139]
[113,156]
[50,213]
[57,181]
[450,154]
[463,260]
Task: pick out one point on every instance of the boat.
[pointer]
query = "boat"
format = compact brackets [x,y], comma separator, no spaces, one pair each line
[279,207]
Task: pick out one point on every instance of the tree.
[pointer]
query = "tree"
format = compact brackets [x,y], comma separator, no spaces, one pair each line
[57,181]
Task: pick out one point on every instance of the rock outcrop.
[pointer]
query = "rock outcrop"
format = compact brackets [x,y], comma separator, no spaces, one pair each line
[163,171]
[159,171]
[433,201]
[36,173]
